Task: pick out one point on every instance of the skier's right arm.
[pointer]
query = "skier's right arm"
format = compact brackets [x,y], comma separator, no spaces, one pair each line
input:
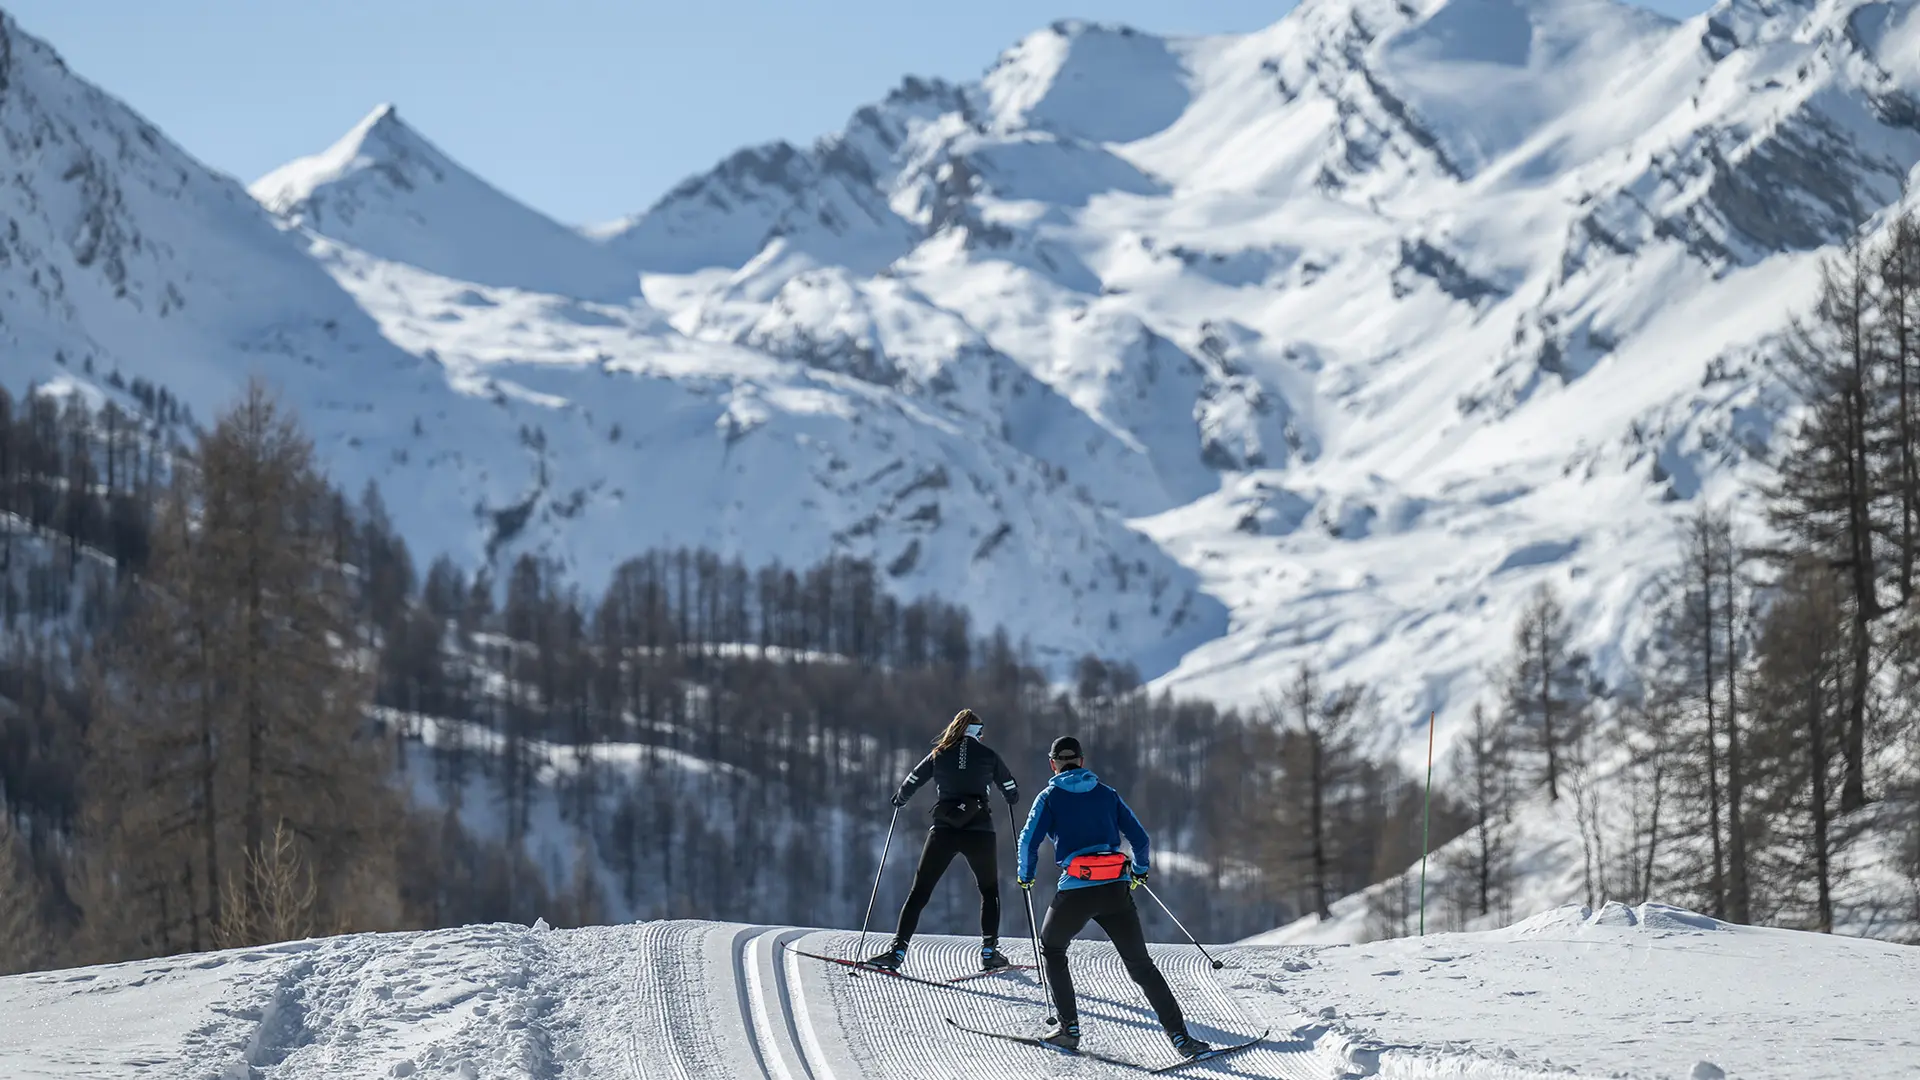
[1039,817]
[920,774]
[1003,776]
[1136,835]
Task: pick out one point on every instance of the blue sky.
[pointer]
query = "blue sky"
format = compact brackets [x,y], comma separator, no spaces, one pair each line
[586,109]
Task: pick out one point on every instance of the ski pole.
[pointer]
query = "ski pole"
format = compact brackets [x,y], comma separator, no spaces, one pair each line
[1217,964]
[1039,961]
[891,822]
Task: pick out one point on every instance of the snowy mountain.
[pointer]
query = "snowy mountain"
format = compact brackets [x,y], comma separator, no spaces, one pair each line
[389,192]
[1326,342]
[500,419]
[1391,310]
[709,1000]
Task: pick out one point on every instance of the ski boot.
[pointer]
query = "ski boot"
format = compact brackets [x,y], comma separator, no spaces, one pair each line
[1186,1045]
[889,960]
[1064,1036]
[990,958]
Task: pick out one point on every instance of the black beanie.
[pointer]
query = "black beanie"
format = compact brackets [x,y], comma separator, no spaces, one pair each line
[1066,748]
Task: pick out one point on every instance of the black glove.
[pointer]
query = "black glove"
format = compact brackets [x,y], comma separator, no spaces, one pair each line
[1139,879]
[898,800]
[1025,883]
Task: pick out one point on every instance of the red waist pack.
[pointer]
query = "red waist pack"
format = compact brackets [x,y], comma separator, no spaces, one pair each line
[1106,866]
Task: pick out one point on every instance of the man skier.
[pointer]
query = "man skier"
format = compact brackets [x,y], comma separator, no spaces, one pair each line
[1085,819]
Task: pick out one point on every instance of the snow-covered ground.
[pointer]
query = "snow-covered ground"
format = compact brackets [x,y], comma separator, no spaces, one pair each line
[1648,992]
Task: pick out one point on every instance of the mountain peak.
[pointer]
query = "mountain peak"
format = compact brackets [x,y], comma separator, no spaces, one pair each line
[382,125]
[386,189]
[379,138]
[1095,81]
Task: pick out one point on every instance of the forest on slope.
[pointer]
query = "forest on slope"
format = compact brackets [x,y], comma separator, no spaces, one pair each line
[1763,766]
[237,712]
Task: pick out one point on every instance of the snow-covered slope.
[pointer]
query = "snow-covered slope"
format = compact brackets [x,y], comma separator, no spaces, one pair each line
[1390,311]
[1326,342]
[388,191]
[704,1001]
[124,259]
[500,419]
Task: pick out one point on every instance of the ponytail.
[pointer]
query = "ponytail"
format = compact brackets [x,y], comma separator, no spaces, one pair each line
[955,730]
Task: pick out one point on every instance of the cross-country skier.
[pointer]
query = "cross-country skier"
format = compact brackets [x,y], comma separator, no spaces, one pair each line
[1085,819]
[964,773]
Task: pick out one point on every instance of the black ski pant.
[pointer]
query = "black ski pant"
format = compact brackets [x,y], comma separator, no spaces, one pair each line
[1112,907]
[981,852]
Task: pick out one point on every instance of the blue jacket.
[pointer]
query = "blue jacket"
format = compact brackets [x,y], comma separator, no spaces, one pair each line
[1081,816]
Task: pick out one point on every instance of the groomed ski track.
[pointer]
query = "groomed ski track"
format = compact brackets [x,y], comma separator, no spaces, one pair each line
[708,1000]
[1646,993]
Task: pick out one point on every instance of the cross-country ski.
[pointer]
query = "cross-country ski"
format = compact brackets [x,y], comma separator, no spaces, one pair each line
[1042,1044]
[862,967]
[1213,1054]
[1009,969]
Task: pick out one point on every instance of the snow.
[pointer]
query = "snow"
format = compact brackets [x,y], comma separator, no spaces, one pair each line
[1109,84]
[1643,991]
[1632,993]
[385,189]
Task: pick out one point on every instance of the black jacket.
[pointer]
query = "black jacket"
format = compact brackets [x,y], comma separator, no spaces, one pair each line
[967,770]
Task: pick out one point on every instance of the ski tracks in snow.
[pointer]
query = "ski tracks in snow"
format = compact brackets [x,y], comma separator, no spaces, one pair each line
[724,1001]
[670,1000]
[869,1027]
[706,1000]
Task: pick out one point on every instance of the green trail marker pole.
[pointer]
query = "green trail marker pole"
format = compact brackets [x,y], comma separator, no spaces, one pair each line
[1425,827]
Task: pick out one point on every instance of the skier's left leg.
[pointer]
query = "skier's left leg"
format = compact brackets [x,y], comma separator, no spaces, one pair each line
[939,851]
[1065,917]
[1121,921]
[982,856]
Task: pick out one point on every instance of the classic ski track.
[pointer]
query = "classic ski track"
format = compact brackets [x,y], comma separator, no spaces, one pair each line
[676,956]
[632,1044]
[1113,1014]
[800,1026]
[784,1045]
[800,1019]
[749,992]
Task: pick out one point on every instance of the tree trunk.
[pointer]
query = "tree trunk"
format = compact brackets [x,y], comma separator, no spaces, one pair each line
[1546,712]
[209,819]
[1897,285]
[1318,815]
[1866,604]
[1853,791]
[1817,768]
[1653,829]
[1739,893]
[1719,881]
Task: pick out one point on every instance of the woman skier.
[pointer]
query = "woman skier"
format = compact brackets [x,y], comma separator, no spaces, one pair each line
[964,772]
